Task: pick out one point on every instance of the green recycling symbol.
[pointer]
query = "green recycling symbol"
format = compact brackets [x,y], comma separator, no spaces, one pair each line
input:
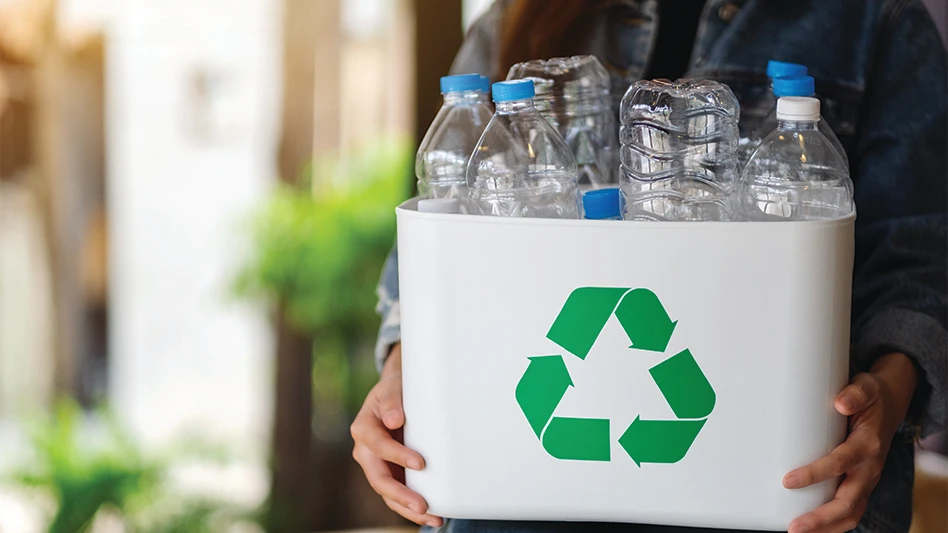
[648,326]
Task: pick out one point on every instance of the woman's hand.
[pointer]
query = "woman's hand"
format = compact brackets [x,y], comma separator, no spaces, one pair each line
[377,431]
[876,402]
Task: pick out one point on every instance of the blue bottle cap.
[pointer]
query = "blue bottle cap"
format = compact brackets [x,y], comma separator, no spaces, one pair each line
[601,204]
[794,86]
[460,82]
[506,91]
[777,69]
[485,84]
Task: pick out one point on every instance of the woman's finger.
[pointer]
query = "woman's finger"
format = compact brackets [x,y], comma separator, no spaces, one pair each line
[420,519]
[390,402]
[369,432]
[846,456]
[845,510]
[837,516]
[380,478]
[858,395]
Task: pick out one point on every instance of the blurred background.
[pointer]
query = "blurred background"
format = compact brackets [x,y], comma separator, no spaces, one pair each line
[195,202]
[196,198]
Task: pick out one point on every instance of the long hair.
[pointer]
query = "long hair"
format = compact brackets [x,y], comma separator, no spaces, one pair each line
[536,29]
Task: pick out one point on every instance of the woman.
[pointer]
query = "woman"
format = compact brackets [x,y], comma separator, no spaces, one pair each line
[881,72]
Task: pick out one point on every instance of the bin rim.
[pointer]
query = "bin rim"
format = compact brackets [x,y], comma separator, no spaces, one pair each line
[408,209]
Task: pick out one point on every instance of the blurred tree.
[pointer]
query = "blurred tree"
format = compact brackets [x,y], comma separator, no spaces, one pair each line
[316,257]
[307,27]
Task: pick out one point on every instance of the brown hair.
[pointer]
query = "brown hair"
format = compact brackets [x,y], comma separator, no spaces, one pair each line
[536,29]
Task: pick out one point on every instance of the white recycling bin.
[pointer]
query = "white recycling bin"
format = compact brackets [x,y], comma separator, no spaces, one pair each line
[645,372]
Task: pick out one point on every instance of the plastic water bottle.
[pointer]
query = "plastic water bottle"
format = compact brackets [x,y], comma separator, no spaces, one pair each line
[796,174]
[573,94]
[441,161]
[485,90]
[602,204]
[775,69]
[781,69]
[521,166]
[679,150]
[793,86]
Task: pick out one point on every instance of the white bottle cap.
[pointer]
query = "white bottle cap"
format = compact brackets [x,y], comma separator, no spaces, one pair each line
[798,108]
[439,205]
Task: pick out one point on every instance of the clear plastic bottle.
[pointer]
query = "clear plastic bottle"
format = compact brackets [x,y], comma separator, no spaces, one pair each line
[485,90]
[753,121]
[521,166]
[441,161]
[602,204]
[793,86]
[796,174]
[679,150]
[573,94]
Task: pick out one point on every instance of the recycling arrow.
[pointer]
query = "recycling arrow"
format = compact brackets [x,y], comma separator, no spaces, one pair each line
[583,316]
[684,386]
[645,321]
[585,439]
[649,327]
[659,441]
[541,388]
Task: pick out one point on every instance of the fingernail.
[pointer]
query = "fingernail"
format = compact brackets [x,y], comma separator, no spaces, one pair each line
[390,418]
[414,507]
[848,404]
[414,464]
[434,523]
[798,528]
[791,481]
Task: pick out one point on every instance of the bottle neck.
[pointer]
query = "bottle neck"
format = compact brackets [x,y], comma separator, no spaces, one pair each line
[797,125]
[779,96]
[514,106]
[463,98]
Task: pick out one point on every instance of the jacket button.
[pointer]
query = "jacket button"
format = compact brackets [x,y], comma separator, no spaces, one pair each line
[727,11]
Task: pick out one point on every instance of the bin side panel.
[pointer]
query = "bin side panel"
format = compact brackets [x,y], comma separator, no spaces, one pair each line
[762,310]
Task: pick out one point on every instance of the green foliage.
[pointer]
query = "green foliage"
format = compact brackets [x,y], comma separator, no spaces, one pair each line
[88,463]
[84,477]
[319,251]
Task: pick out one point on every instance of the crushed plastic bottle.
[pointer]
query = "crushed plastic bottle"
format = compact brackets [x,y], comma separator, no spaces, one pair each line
[573,94]
[521,166]
[796,174]
[679,150]
[441,161]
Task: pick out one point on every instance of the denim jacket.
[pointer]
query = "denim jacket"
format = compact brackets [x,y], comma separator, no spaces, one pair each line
[880,70]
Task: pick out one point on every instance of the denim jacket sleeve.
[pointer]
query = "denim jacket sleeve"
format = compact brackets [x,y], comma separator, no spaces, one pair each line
[390,331]
[900,171]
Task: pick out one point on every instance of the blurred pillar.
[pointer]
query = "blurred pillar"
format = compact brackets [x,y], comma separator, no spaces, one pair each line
[309,127]
[310,116]
[437,39]
[59,197]
[326,77]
